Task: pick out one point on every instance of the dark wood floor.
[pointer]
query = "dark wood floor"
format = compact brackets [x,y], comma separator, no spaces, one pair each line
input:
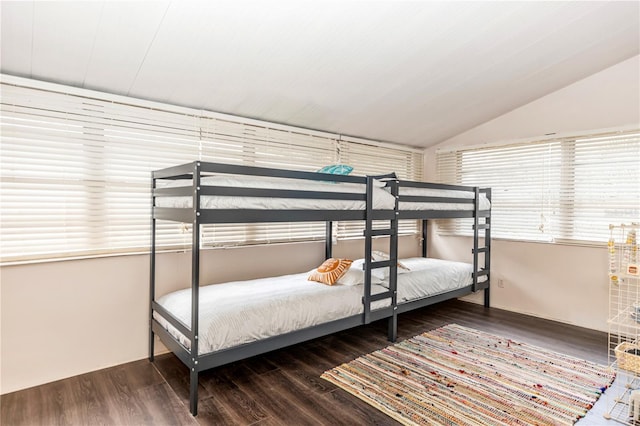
[282,387]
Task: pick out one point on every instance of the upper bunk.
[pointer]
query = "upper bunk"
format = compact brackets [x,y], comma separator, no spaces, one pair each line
[228,193]
[207,192]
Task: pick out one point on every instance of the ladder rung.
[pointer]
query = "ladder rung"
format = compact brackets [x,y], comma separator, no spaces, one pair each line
[481,273]
[482,285]
[480,250]
[482,226]
[382,264]
[376,232]
[379,296]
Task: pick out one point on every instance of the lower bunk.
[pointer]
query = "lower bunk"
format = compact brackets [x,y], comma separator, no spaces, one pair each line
[241,319]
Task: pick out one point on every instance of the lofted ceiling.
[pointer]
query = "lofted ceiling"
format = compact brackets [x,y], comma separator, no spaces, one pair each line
[410,72]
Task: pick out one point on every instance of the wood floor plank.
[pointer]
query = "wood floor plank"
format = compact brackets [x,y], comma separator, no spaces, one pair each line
[272,393]
[305,370]
[163,407]
[211,412]
[90,394]
[239,407]
[281,387]
[296,405]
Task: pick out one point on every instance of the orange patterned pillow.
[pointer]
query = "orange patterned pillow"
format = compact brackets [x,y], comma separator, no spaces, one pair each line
[330,271]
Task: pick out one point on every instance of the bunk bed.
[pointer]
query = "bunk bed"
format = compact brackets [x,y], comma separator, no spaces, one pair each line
[209,326]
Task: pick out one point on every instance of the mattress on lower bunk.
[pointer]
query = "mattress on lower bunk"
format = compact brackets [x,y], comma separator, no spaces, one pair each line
[485,204]
[240,312]
[429,277]
[382,199]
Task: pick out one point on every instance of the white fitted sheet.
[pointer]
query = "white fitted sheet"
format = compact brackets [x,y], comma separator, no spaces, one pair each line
[485,204]
[245,311]
[382,199]
[240,312]
[429,277]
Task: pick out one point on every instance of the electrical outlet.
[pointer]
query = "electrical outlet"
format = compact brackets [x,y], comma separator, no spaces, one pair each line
[500,282]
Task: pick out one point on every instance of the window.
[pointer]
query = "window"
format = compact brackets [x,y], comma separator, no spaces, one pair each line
[562,190]
[75,169]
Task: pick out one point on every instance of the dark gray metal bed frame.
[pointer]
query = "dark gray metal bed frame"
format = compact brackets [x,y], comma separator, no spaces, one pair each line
[197,216]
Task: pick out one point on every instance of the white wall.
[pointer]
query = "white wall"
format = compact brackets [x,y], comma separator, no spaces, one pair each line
[559,282]
[607,99]
[61,319]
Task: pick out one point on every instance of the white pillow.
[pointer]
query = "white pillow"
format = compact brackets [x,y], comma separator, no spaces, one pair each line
[355,274]
[379,256]
[352,277]
[378,273]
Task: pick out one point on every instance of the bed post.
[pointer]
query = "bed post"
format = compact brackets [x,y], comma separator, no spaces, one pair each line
[368,225]
[195,290]
[193,391]
[476,227]
[152,270]
[486,250]
[424,237]
[487,254]
[487,298]
[393,268]
[328,242]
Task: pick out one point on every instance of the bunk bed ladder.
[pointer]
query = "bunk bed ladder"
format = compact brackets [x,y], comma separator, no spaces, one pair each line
[392,263]
[486,249]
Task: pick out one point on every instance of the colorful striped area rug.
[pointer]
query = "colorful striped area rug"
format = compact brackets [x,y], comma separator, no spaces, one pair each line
[460,376]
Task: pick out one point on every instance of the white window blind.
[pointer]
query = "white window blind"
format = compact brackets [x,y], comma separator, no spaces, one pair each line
[567,189]
[606,186]
[75,169]
[75,172]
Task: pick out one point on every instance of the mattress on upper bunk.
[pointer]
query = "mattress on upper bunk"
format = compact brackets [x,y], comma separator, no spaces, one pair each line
[240,312]
[382,199]
[485,204]
[429,277]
